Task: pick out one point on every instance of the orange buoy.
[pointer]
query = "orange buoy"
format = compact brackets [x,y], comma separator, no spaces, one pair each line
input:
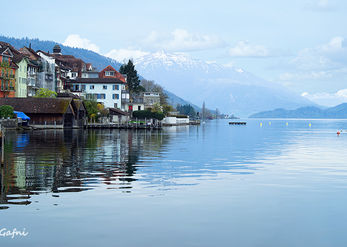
[338,133]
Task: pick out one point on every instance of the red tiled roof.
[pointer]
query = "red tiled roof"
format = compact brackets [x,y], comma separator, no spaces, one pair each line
[116,73]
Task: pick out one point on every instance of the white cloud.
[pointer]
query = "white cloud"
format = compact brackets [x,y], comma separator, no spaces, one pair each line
[229,65]
[244,49]
[122,55]
[305,75]
[327,99]
[74,40]
[182,40]
[329,56]
[320,5]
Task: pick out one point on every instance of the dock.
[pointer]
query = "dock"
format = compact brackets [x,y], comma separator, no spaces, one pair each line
[123,126]
[237,123]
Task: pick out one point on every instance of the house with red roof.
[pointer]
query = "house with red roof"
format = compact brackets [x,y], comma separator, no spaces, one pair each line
[110,72]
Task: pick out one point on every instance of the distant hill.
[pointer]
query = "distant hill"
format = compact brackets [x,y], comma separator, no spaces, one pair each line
[339,111]
[87,56]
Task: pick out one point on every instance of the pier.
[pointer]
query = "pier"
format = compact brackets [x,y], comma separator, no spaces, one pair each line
[123,126]
[237,123]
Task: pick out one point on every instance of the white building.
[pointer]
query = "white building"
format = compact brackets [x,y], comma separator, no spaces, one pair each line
[104,90]
[150,99]
[46,75]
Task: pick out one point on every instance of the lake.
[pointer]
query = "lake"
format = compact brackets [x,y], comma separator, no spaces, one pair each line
[269,183]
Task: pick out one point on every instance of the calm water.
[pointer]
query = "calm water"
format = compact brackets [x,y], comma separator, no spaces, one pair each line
[211,185]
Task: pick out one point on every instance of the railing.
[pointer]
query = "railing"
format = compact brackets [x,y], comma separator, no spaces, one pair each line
[125,100]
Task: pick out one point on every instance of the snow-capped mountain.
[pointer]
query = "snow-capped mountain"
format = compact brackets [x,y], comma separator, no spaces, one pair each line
[231,90]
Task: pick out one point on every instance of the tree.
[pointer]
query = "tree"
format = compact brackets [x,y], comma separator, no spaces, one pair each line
[45,93]
[151,86]
[133,81]
[186,110]
[6,111]
[92,109]
[167,109]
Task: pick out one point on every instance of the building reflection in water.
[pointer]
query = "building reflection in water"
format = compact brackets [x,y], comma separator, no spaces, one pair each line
[71,161]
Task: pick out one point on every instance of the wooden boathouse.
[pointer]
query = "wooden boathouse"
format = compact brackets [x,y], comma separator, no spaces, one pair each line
[50,112]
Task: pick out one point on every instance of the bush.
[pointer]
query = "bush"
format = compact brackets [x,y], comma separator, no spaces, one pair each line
[148,114]
[45,93]
[6,111]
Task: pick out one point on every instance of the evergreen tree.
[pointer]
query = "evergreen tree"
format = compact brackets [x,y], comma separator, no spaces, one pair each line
[186,110]
[133,81]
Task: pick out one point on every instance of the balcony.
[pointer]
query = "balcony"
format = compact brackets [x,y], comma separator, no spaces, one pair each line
[124,100]
[7,77]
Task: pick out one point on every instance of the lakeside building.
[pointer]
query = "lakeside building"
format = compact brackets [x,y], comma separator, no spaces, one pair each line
[50,112]
[8,71]
[68,68]
[104,90]
[150,99]
[21,75]
[32,70]
[46,75]
[105,87]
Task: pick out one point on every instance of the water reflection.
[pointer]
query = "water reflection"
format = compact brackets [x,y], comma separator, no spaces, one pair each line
[58,161]
[72,161]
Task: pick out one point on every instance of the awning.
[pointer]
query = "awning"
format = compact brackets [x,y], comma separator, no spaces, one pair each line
[21,115]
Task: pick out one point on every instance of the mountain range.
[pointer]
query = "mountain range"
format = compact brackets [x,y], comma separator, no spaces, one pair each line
[230,89]
[336,112]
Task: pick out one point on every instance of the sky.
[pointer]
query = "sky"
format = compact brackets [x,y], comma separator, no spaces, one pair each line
[298,43]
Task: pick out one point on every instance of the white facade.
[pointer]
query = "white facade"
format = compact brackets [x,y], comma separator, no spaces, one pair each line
[109,94]
[46,77]
[176,121]
[90,74]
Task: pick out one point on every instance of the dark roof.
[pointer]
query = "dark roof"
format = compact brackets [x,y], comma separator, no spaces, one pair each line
[115,111]
[4,46]
[30,53]
[98,80]
[38,105]
[18,57]
[68,95]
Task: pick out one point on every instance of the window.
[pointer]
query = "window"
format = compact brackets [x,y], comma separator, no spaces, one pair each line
[139,108]
[109,73]
[91,96]
[91,87]
[104,87]
[115,96]
[115,87]
[83,87]
[101,96]
[115,105]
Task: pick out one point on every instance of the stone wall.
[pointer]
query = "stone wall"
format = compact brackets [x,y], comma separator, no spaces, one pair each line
[9,123]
